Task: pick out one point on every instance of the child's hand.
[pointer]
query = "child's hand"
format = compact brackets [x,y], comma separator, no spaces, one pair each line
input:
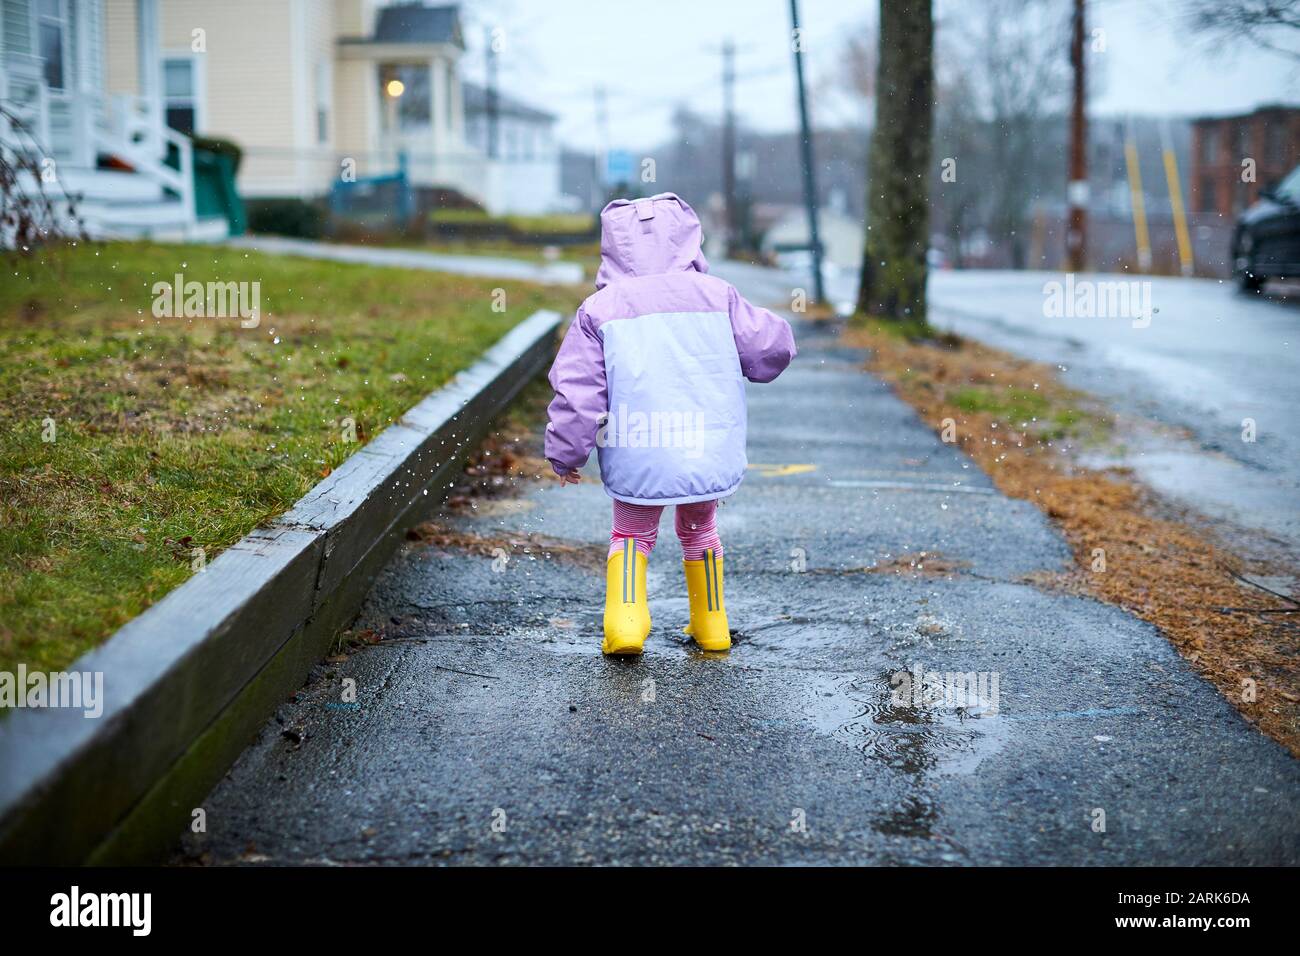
[569,478]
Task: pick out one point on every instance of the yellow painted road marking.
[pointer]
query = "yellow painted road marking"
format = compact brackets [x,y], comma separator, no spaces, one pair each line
[780,471]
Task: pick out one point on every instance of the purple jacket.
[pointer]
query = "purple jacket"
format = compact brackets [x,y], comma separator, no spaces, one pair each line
[652,371]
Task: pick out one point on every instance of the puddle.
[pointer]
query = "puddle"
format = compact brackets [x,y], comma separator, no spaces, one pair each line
[920,741]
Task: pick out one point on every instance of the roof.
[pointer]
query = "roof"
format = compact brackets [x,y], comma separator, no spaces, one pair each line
[1257,111]
[417,23]
[476,103]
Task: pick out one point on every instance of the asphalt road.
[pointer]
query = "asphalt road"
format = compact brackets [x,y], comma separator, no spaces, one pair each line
[487,728]
[1185,382]
[1211,358]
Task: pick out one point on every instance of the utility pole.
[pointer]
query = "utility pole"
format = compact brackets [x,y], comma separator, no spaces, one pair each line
[729,142]
[1176,200]
[1076,236]
[1137,198]
[491,90]
[602,130]
[809,174]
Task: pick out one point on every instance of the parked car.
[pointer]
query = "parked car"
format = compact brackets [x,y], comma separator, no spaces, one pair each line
[1266,242]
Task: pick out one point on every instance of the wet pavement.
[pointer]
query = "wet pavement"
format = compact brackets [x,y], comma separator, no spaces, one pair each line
[1210,359]
[487,728]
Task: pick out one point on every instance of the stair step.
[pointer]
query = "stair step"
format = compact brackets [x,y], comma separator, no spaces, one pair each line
[111,185]
[207,229]
[145,213]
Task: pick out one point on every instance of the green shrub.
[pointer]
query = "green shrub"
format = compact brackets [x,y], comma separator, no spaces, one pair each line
[287,217]
[458,216]
[477,224]
[559,222]
[222,147]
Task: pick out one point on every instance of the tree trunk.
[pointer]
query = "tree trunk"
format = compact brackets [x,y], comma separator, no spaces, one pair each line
[898,173]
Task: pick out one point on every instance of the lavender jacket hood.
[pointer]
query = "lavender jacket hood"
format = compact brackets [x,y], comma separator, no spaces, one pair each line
[652,371]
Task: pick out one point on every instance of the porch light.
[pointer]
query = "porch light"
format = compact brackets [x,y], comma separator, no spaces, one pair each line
[395,88]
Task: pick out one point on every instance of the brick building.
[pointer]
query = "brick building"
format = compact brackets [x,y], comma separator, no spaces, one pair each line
[1220,144]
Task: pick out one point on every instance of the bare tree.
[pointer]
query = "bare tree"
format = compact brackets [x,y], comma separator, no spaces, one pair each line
[857,62]
[1272,24]
[29,215]
[960,203]
[1004,79]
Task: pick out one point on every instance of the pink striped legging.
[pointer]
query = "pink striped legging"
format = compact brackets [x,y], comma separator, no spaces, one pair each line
[695,523]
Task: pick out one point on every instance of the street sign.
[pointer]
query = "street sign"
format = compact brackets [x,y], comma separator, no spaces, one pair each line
[618,167]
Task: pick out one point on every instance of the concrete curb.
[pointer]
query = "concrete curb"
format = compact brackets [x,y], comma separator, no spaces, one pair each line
[189,681]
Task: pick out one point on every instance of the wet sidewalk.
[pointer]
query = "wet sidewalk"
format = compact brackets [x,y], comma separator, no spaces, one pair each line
[488,267]
[487,728]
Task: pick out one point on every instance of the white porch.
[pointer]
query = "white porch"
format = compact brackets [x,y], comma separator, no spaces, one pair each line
[416,105]
[127,172]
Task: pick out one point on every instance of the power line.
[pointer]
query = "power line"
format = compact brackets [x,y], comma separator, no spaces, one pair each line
[493,112]
[729,141]
[1076,236]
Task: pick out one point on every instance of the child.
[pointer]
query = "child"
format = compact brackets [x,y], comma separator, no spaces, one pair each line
[652,372]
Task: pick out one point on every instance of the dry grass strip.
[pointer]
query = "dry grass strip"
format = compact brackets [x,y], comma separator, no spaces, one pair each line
[1021,425]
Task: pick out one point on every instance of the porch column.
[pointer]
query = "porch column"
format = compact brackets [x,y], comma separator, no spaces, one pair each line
[456,127]
[148,46]
[438,118]
[85,102]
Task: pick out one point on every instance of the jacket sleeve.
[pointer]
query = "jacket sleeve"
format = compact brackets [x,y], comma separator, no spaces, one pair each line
[581,400]
[763,340]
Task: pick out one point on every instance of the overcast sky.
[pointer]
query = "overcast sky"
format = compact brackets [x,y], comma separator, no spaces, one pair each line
[653,54]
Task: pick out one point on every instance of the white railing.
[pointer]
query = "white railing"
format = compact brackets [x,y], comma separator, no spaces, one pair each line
[455,166]
[123,126]
[136,133]
[82,114]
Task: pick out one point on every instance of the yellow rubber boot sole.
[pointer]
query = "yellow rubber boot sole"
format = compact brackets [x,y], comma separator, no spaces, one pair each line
[627,615]
[708,612]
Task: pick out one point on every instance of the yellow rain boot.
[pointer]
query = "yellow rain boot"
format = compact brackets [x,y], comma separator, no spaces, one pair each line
[708,613]
[627,616]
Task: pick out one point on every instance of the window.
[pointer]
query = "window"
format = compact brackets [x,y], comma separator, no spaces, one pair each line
[1209,145]
[413,103]
[53,26]
[1208,202]
[1276,149]
[1289,188]
[322,101]
[451,86]
[179,93]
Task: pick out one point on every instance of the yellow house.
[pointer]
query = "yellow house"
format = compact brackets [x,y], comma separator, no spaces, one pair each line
[102,94]
[311,90]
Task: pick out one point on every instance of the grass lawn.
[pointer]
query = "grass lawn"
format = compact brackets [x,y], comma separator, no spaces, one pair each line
[130,441]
